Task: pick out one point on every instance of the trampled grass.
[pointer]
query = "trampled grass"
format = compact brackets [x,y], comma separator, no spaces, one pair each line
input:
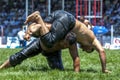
[36,68]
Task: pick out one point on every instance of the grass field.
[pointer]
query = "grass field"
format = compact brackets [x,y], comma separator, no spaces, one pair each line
[36,68]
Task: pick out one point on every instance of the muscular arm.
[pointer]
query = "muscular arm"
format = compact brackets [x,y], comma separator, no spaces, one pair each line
[102,55]
[36,17]
[74,54]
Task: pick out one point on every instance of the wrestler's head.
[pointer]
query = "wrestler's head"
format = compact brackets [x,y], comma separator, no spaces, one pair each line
[32,30]
[88,49]
[86,22]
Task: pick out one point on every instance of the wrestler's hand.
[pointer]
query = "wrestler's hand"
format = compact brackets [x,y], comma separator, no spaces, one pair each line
[107,71]
[32,17]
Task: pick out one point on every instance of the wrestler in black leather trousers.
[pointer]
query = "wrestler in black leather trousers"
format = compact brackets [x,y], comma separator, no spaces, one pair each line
[33,49]
[62,23]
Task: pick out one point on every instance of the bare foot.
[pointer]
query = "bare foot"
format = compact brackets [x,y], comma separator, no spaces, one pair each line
[32,17]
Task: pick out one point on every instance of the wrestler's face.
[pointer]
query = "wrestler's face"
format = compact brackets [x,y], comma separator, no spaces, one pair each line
[32,31]
[27,36]
[82,18]
[88,49]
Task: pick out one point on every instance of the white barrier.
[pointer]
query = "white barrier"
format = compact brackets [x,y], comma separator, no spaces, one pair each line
[115,45]
[13,42]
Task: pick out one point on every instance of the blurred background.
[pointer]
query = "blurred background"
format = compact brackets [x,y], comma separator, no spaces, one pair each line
[104,13]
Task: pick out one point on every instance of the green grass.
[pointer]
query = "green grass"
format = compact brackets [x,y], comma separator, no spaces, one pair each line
[36,68]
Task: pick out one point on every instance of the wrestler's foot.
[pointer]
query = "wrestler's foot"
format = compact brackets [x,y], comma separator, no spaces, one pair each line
[6,64]
[33,17]
[0,67]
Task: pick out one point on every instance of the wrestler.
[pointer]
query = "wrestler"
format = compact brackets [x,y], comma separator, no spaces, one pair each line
[62,22]
[54,59]
[53,54]
[86,22]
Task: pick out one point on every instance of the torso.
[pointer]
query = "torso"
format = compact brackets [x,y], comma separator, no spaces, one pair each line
[83,34]
[58,46]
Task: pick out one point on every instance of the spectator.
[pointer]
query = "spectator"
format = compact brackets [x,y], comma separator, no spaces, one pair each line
[20,35]
[86,22]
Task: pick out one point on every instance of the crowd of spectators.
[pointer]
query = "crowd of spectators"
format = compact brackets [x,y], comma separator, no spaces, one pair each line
[11,16]
[111,15]
[12,13]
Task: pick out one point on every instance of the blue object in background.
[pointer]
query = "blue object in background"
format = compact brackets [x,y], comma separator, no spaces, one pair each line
[100,30]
